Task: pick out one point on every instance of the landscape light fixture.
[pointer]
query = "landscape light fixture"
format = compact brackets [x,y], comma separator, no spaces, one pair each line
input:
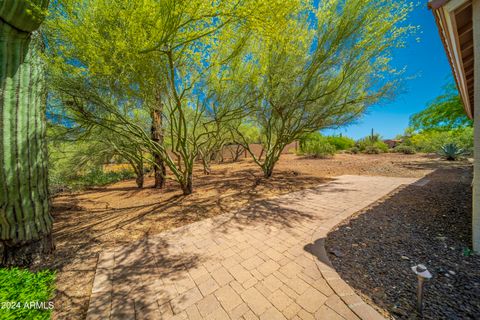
[422,275]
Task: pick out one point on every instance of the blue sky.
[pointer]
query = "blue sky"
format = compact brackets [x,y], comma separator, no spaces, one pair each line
[427,62]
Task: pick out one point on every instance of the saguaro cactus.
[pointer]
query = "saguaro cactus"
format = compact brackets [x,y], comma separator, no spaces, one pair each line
[25,221]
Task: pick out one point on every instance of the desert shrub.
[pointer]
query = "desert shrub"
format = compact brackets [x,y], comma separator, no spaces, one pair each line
[340,142]
[97,177]
[371,150]
[432,141]
[23,286]
[354,150]
[405,149]
[92,178]
[372,145]
[318,149]
[374,142]
[382,146]
[451,152]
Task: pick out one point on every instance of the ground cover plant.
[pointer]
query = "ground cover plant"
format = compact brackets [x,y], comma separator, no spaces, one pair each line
[25,294]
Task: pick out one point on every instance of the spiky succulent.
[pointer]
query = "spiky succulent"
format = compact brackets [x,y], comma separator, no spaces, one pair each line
[451,151]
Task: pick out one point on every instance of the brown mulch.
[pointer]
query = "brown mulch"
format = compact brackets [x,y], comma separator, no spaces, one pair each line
[100,218]
[430,224]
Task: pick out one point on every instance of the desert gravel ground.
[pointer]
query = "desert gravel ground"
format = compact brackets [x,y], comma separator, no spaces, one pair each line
[429,224]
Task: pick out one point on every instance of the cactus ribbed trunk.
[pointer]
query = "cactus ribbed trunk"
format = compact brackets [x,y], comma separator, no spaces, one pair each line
[25,221]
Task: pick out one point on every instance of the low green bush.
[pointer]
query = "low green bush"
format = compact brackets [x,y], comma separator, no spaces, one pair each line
[94,177]
[405,149]
[97,177]
[318,149]
[432,141]
[340,142]
[372,145]
[25,294]
[354,150]
[371,150]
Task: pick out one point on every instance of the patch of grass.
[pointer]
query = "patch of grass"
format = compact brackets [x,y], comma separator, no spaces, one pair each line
[25,294]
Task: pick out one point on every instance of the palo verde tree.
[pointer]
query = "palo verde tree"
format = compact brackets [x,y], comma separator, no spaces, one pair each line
[103,39]
[112,58]
[25,221]
[444,113]
[321,67]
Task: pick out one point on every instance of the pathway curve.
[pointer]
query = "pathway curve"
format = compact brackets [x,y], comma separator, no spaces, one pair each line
[263,262]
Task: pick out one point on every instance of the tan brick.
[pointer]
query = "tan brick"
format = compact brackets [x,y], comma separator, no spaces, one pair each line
[218,314]
[272,314]
[273,254]
[248,253]
[237,286]
[280,300]
[311,300]
[250,283]
[165,311]
[238,311]
[335,303]
[291,311]
[100,306]
[297,284]
[193,313]
[180,316]
[364,311]
[208,305]
[252,263]
[222,276]
[304,315]
[256,301]
[212,265]
[325,313]
[198,272]
[291,269]
[341,288]
[289,292]
[208,286]
[232,261]
[272,283]
[263,289]
[240,273]
[322,286]
[184,284]
[228,297]
[250,316]
[185,300]
[268,267]
[257,275]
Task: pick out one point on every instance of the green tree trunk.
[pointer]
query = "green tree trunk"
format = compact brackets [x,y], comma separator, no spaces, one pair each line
[157,136]
[25,221]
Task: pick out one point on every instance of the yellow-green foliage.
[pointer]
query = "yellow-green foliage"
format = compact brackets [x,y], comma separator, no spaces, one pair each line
[340,142]
[432,141]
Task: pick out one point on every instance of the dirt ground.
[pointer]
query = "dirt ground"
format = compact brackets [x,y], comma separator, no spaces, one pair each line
[431,224]
[93,220]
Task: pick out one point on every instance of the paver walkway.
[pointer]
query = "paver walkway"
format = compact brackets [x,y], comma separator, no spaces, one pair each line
[263,262]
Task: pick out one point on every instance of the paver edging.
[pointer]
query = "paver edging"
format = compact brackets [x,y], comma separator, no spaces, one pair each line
[343,290]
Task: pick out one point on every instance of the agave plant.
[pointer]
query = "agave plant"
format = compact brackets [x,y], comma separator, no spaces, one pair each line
[451,151]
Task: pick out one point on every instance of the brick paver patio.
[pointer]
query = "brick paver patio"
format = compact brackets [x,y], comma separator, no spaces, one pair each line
[263,262]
